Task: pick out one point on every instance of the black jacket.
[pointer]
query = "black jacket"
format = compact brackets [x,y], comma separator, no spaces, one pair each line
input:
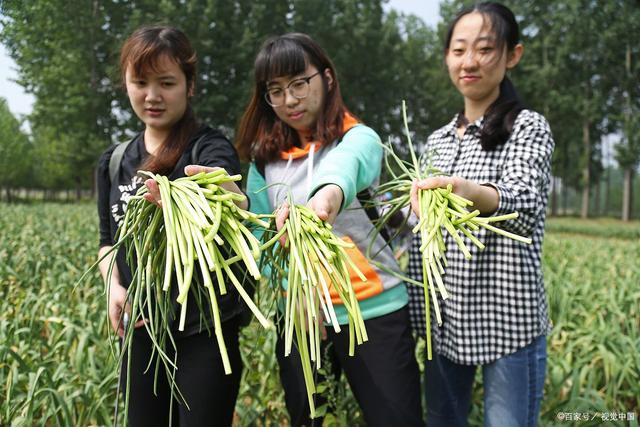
[213,150]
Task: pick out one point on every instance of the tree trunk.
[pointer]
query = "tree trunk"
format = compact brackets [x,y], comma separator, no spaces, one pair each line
[94,183]
[607,192]
[554,179]
[627,185]
[564,180]
[554,196]
[596,196]
[586,174]
[565,200]
[627,190]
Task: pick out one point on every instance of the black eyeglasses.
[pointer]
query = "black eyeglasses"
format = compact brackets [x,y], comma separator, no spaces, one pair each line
[298,88]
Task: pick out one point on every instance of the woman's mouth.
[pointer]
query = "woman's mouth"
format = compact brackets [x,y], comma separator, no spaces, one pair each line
[469,78]
[154,112]
[296,115]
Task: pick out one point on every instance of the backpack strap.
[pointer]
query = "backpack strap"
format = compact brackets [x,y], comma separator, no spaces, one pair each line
[365,197]
[194,150]
[116,159]
[260,168]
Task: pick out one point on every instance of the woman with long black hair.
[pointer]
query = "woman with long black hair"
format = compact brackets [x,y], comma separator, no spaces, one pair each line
[497,154]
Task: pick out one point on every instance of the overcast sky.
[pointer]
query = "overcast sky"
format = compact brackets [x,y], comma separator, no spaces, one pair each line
[21,103]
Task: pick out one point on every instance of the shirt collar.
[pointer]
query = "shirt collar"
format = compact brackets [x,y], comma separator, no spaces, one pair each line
[296,152]
[453,124]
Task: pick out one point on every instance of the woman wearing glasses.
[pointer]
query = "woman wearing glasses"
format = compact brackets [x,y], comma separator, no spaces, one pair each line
[297,131]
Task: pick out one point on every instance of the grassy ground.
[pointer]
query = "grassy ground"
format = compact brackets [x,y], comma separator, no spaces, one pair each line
[56,366]
[601,227]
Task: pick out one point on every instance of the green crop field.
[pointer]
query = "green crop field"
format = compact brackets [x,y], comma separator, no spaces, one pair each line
[56,365]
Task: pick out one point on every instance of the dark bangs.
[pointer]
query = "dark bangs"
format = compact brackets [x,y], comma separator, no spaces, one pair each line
[502,24]
[501,115]
[500,21]
[280,57]
[147,46]
[146,62]
[497,31]
[261,135]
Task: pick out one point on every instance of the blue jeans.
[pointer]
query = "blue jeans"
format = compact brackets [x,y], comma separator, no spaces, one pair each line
[513,387]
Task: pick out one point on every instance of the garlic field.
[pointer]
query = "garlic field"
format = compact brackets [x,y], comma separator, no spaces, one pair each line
[57,366]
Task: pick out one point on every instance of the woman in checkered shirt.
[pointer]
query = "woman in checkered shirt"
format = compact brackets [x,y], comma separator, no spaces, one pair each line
[497,154]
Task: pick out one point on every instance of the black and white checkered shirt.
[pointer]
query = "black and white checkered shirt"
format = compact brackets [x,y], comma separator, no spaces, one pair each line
[498,303]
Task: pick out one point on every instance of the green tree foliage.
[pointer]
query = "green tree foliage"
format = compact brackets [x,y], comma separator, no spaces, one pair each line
[14,151]
[225,34]
[574,71]
[80,106]
[580,81]
[626,97]
[62,56]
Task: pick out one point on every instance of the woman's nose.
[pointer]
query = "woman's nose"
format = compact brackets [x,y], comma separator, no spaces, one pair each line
[153,93]
[469,59]
[289,99]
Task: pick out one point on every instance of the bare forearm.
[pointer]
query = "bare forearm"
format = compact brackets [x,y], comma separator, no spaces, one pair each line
[104,265]
[485,198]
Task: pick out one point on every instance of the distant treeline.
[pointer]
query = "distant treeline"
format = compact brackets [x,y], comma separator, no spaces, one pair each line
[580,70]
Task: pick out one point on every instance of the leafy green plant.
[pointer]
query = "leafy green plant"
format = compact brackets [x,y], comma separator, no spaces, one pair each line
[56,367]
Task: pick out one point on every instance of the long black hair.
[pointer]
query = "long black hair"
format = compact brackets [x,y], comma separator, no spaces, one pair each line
[502,113]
